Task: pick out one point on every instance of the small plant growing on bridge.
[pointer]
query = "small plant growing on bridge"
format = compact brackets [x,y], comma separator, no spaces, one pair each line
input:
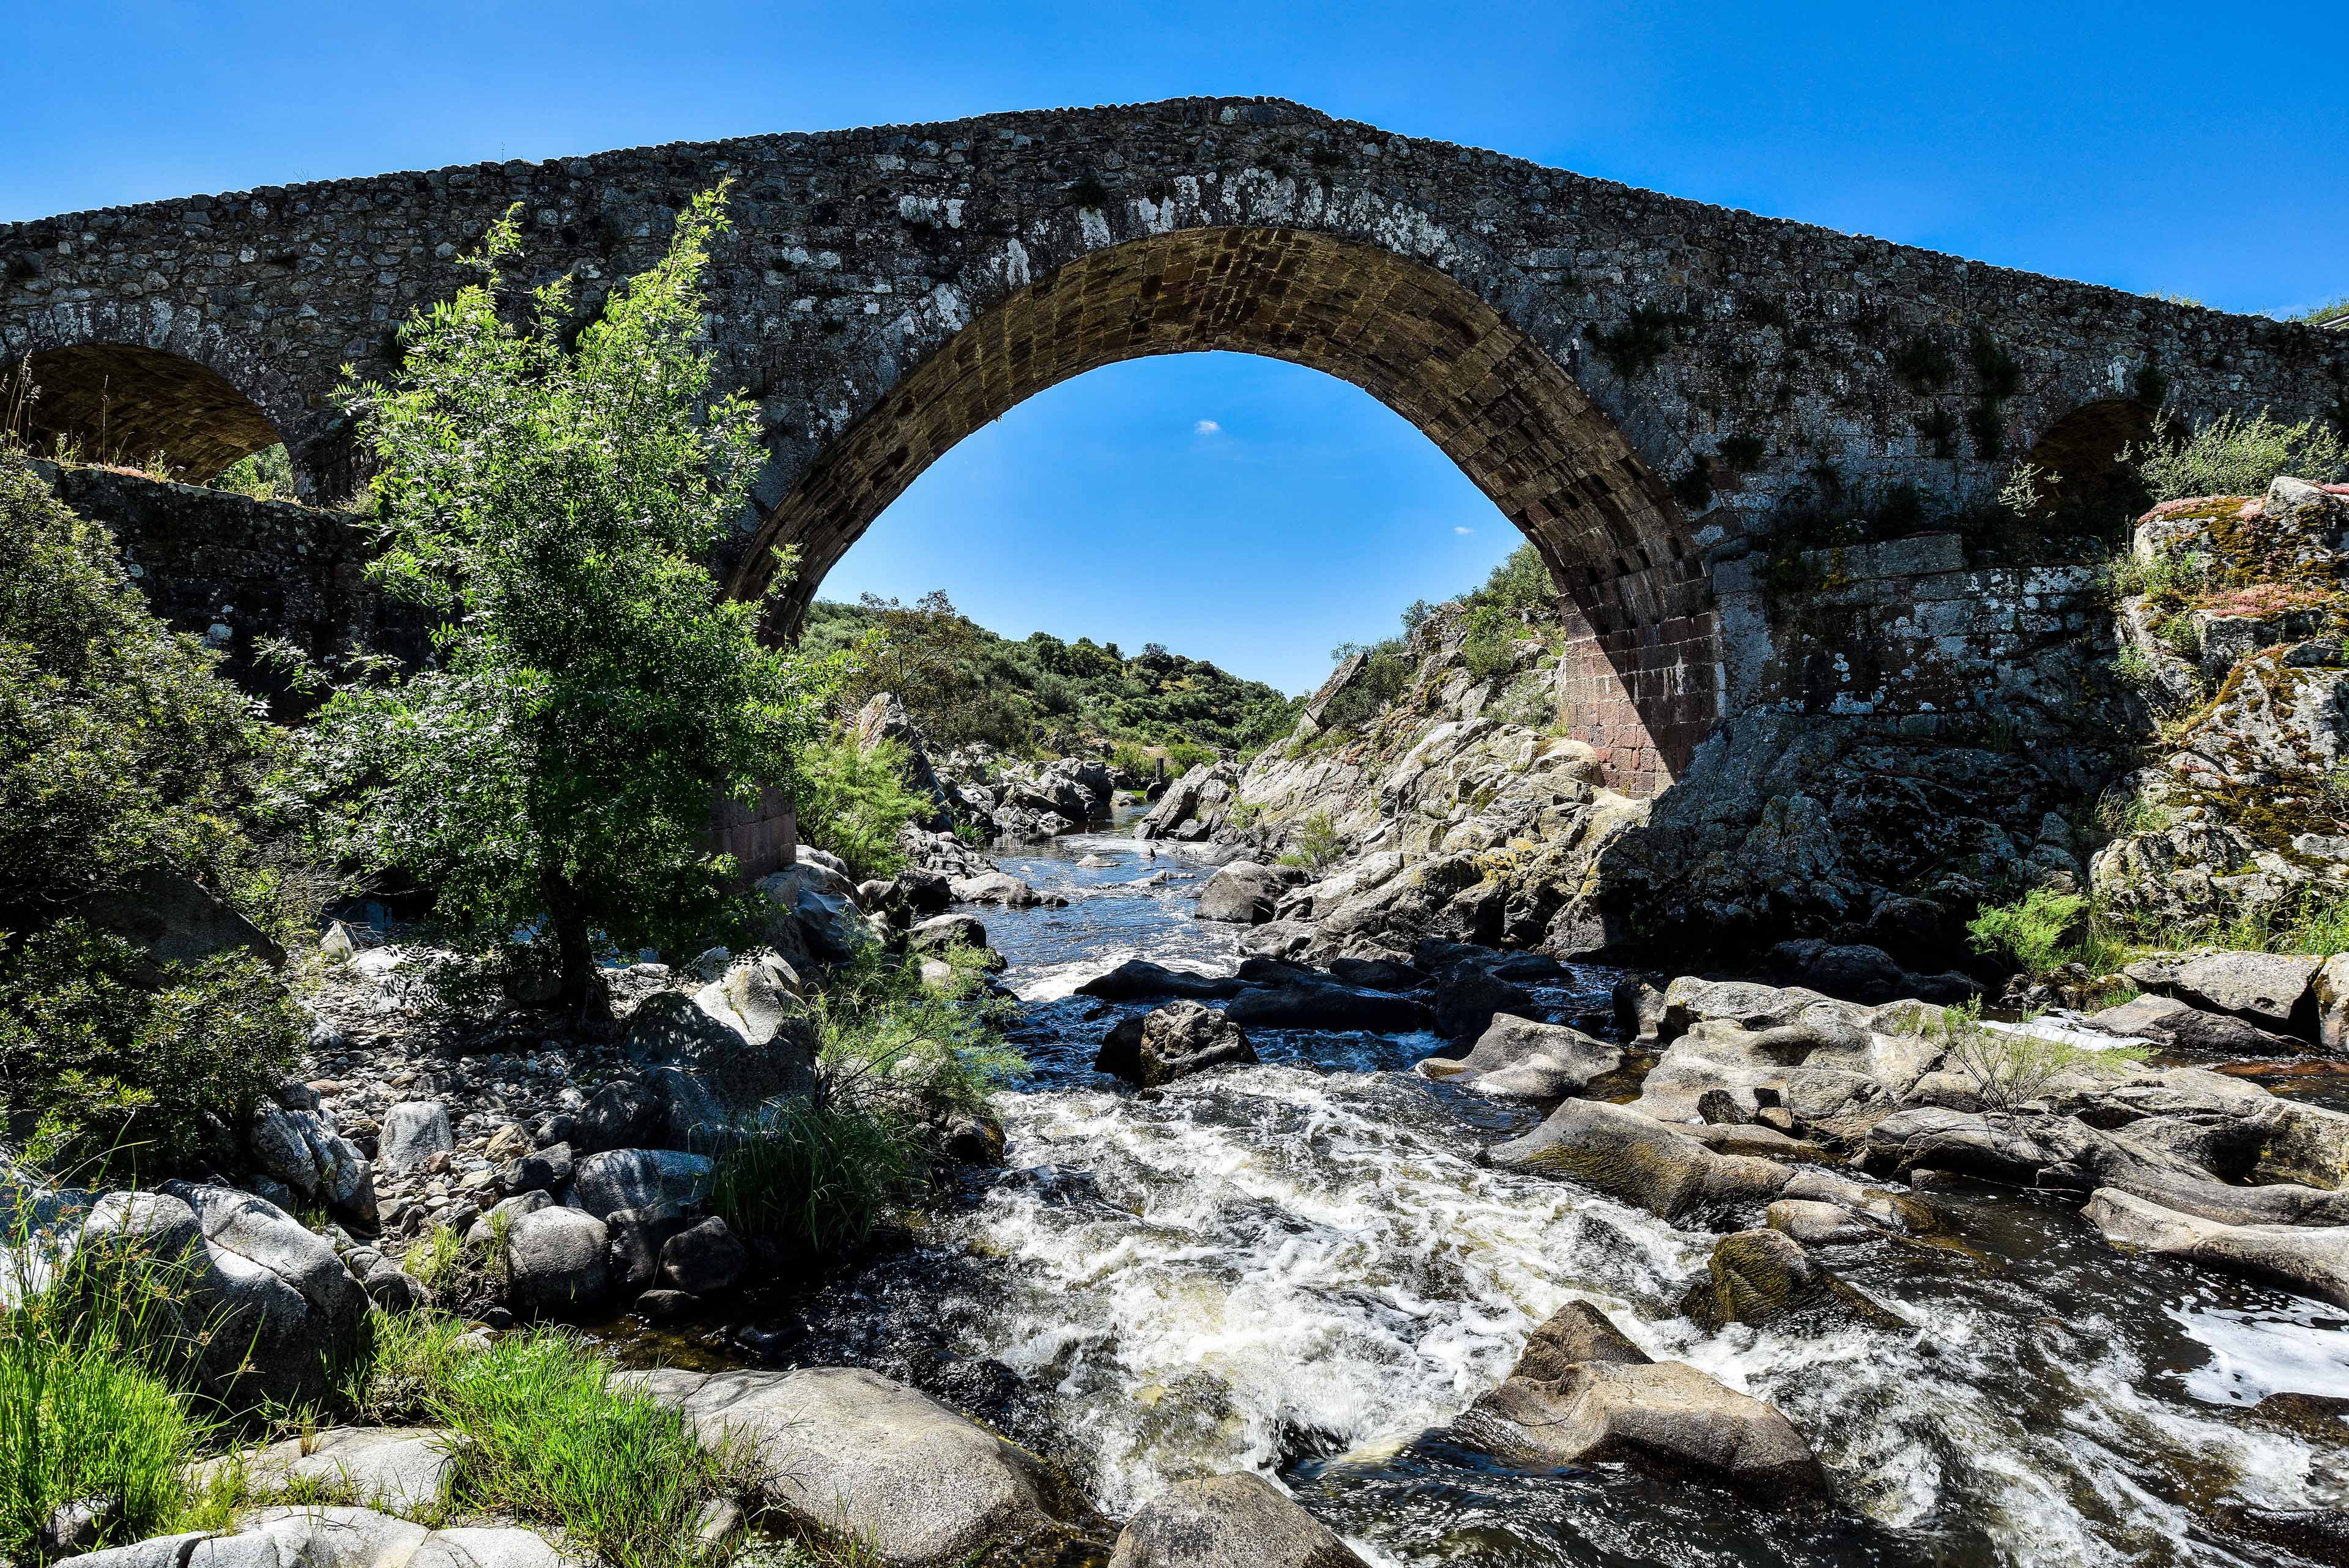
[592,691]
[1633,350]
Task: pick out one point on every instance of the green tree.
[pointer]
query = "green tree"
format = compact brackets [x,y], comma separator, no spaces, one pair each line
[591,692]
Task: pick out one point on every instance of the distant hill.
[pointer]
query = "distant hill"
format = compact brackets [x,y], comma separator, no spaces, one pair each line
[963,683]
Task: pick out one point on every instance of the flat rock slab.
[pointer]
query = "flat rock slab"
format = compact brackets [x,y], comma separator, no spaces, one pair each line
[860,1456]
[336,1538]
[395,1470]
[1664,1410]
[2312,1260]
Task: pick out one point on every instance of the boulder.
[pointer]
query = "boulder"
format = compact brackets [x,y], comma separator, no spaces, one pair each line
[620,1178]
[1139,979]
[175,919]
[2311,1261]
[940,932]
[2330,989]
[1329,1007]
[545,1170]
[864,1458]
[556,1261]
[2167,1021]
[703,1259]
[1173,1042]
[1639,1160]
[621,1113]
[635,1237]
[1582,1393]
[413,1132]
[1000,887]
[266,1312]
[720,1054]
[1244,892]
[1371,974]
[821,904]
[2271,991]
[1228,1522]
[1467,995]
[303,1150]
[1517,1058]
[1815,1224]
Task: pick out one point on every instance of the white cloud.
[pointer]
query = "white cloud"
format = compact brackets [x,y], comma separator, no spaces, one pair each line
[1207,427]
[1457,529]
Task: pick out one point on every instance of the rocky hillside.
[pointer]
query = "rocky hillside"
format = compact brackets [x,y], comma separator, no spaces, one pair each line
[2235,621]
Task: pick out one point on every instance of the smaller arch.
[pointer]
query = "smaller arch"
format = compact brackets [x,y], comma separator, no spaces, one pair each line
[123,403]
[2080,460]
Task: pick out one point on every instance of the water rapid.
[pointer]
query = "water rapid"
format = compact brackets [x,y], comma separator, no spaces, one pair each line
[1299,1268]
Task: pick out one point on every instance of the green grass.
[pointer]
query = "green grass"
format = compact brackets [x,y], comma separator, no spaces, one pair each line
[818,1177]
[78,1418]
[554,1442]
[2030,931]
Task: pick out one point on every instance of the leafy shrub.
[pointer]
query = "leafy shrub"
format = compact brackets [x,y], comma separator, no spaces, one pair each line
[1490,648]
[1319,843]
[2009,1070]
[854,802]
[2030,931]
[265,475]
[1385,675]
[1522,582]
[2232,455]
[119,1076]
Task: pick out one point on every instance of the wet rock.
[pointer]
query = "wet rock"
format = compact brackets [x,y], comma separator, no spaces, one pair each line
[1393,974]
[973,1139]
[1467,995]
[1764,1276]
[1639,1160]
[1244,892]
[1173,1042]
[635,1238]
[619,1179]
[2311,1260]
[1139,979]
[556,1261]
[704,1259]
[1584,1395]
[1517,1058]
[1228,1522]
[413,1132]
[2271,991]
[862,1457]
[1330,1007]
[1001,887]
[267,1311]
[1814,1223]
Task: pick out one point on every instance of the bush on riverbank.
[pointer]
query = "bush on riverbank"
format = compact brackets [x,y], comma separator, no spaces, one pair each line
[122,754]
[854,802]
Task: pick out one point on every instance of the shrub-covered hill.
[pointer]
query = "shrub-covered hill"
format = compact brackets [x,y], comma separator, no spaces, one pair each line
[963,683]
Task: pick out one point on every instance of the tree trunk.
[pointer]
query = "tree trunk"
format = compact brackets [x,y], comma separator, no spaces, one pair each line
[582,996]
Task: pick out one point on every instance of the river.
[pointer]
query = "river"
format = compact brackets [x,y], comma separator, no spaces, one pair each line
[1299,1268]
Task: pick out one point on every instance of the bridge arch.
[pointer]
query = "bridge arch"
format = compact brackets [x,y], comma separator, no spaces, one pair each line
[1641,680]
[127,403]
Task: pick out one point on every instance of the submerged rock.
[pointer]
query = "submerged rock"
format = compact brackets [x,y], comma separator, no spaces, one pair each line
[1329,1007]
[1139,979]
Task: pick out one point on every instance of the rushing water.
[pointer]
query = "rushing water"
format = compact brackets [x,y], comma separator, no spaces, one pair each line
[1298,1268]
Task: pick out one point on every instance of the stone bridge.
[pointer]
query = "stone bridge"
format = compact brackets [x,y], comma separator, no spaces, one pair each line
[1636,380]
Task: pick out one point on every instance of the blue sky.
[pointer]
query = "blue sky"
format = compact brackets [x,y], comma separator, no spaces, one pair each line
[2195,149]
